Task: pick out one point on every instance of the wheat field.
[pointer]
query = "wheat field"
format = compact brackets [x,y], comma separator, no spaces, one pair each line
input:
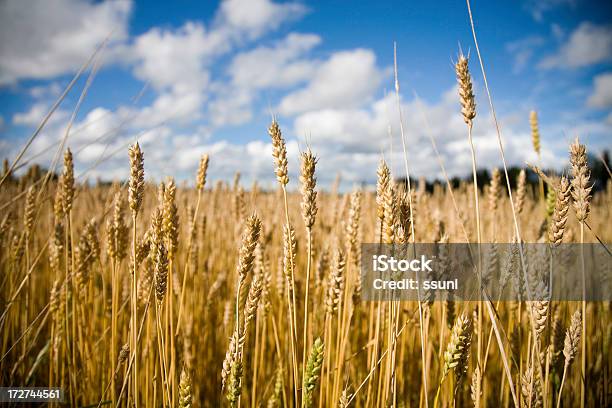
[159,295]
[135,294]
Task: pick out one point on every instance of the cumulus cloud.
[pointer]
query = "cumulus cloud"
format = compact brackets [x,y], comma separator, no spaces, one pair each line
[277,66]
[169,107]
[51,90]
[361,130]
[354,139]
[94,127]
[587,45]
[232,106]
[31,117]
[99,143]
[35,115]
[43,39]
[177,62]
[254,17]
[602,91]
[179,58]
[349,141]
[173,59]
[347,79]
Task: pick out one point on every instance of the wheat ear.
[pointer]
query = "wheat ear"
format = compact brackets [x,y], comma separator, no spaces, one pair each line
[202,170]
[135,194]
[581,193]
[312,371]
[570,347]
[559,217]
[468,110]
[185,396]
[521,191]
[531,388]
[457,351]
[279,153]
[535,140]
[475,387]
[309,211]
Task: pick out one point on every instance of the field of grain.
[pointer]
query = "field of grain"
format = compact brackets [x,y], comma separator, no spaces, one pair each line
[151,295]
[159,295]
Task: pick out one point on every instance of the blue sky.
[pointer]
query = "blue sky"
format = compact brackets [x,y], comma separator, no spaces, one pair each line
[187,77]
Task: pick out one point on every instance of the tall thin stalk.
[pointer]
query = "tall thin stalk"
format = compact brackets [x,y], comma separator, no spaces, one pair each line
[309,211]
[135,194]
[581,194]
[279,152]
[412,235]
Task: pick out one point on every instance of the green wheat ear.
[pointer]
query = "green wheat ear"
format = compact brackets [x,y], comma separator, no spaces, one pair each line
[457,350]
[313,369]
[234,386]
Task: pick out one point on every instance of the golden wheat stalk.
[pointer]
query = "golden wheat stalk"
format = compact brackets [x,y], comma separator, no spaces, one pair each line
[581,193]
[309,211]
[570,347]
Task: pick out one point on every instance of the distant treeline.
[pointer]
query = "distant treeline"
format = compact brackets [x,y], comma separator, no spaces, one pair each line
[599,175]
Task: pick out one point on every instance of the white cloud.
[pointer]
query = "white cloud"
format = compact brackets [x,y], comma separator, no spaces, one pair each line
[177,62]
[173,59]
[252,159]
[602,91]
[46,38]
[231,107]
[537,8]
[51,90]
[97,124]
[589,44]
[99,143]
[179,59]
[346,79]
[43,39]
[171,107]
[349,129]
[1,122]
[278,66]
[257,16]
[348,140]
[32,117]
[352,140]
[35,115]
[523,50]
